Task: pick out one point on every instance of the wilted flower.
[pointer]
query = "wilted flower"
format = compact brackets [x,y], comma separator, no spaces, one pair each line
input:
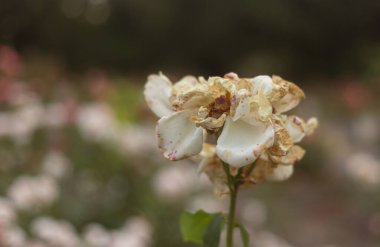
[247,116]
[247,112]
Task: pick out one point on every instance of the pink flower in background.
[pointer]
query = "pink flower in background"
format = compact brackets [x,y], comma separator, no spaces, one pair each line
[10,61]
[356,96]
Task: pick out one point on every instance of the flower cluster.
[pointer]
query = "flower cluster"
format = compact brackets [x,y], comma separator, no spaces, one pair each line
[246,115]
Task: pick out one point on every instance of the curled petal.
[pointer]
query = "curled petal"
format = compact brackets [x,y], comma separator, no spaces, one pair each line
[264,107]
[291,98]
[189,95]
[185,84]
[280,173]
[262,83]
[260,109]
[240,104]
[298,128]
[241,143]
[178,136]
[210,123]
[157,93]
[231,76]
[311,125]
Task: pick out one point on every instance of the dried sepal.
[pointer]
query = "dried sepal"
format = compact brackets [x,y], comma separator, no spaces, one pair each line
[212,167]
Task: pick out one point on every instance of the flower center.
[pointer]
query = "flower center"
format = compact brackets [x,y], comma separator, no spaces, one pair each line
[220,105]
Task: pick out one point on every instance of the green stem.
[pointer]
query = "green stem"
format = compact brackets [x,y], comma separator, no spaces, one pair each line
[233,185]
[231,216]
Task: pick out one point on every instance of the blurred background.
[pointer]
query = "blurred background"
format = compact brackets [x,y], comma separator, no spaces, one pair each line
[78,161]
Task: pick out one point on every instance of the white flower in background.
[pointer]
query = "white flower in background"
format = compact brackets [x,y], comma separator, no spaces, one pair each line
[55,115]
[5,124]
[364,168]
[136,139]
[248,111]
[366,129]
[172,183]
[57,233]
[269,239]
[12,236]
[55,164]
[7,212]
[95,235]
[254,212]
[137,232]
[208,203]
[97,122]
[35,243]
[25,120]
[28,192]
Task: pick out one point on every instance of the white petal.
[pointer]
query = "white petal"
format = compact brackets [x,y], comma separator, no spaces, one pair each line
[262,82]
[157,93]
[311,125]
[240,104]
[241,143]
[296,128]
[186,83]
[281,173]
[287,103]
[178,137]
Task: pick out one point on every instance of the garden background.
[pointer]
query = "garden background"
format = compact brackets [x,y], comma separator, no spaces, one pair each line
[79,164]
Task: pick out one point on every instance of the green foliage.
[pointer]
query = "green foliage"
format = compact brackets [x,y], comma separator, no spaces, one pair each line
[244,234]
[125,100]
[211,237]
[201,228]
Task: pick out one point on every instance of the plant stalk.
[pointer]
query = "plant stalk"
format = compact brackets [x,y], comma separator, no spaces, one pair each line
[231,215]
[233,185]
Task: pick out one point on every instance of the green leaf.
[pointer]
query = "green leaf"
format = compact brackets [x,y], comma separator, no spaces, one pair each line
[193,226]
[244,234]
[211,237]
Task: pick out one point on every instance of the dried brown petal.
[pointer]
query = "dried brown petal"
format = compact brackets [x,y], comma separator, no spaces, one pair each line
[282,141]
[295,154]
[291,99]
